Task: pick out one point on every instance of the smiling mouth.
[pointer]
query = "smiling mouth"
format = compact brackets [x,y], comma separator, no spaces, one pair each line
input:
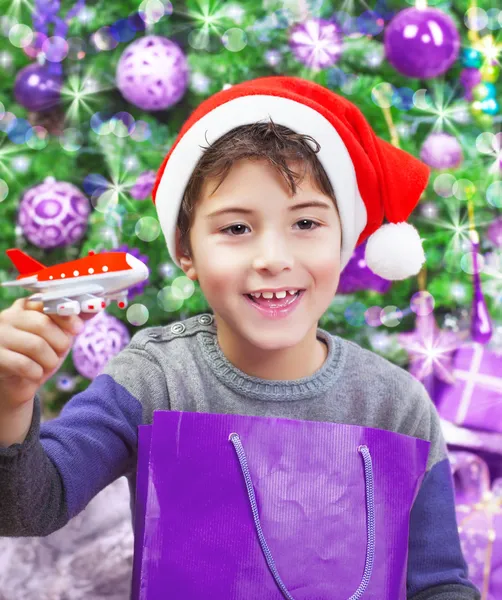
[275,302]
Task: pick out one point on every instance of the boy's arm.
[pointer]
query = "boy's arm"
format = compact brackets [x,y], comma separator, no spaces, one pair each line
[63,463]
[436,566]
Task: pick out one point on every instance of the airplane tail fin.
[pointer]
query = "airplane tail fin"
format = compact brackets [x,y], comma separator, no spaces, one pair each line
[24,263]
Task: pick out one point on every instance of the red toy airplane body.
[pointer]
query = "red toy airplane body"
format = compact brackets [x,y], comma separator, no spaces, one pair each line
[87,284]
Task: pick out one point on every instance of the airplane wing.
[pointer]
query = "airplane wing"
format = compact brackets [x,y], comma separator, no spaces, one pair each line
[91,288]
[20,282]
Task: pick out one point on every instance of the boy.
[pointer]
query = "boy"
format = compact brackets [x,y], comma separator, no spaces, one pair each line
[265,219]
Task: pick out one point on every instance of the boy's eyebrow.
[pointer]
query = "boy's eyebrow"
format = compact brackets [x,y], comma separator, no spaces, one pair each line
[248,211]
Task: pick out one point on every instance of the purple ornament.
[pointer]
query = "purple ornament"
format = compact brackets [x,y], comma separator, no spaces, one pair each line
[481,325]
[470,78]
[316,43]
[38,88]
[144,185]
[422,43]
[494,232]
[103,337]
[152,73]
[358,276]
[441,151]
[53,214]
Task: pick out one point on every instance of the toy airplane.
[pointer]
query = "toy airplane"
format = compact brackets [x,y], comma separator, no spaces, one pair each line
[86,285]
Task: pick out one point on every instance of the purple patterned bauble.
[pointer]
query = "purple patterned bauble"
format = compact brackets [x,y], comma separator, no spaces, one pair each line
[422,43]
[494,232]
[152,73]
[441,151]
[54,214]
[316,43]
[37,89]
[103,337]
[358,276]
[144,185]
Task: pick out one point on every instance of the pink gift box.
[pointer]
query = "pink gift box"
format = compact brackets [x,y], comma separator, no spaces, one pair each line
[479,517]
[475,399]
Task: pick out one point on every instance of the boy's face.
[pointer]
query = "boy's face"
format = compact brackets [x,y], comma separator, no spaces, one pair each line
[270,247]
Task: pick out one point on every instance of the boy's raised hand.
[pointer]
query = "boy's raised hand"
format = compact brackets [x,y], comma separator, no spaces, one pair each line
[33,345]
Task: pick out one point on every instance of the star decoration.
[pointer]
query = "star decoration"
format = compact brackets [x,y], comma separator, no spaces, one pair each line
[431,349]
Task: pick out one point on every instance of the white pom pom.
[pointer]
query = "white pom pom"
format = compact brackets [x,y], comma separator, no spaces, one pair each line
[395,251]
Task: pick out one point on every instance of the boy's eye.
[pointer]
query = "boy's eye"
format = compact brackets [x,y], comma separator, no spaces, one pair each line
[233,228]
[237,229]
[303,221]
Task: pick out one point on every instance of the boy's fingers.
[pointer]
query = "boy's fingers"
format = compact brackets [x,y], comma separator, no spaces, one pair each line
[73,324]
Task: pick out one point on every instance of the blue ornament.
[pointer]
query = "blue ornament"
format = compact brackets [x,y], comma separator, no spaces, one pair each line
[492,90]
[402,98]
[490,106]
[471,58]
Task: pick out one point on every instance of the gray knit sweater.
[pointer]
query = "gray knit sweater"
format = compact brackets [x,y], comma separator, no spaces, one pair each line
[64,463]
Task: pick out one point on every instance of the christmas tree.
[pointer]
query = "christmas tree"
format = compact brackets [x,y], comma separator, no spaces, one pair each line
[93,95]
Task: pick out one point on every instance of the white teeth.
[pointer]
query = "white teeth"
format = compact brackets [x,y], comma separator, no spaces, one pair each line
[270,295]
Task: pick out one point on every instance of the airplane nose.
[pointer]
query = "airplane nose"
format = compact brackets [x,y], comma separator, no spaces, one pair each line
[140,269]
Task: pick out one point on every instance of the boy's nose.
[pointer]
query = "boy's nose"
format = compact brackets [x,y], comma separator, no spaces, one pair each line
[273,255]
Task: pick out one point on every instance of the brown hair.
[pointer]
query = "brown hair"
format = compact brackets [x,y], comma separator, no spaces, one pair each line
[266,141]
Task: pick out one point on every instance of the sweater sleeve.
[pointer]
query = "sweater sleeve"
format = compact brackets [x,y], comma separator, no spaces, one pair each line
[63,463]
[436,566]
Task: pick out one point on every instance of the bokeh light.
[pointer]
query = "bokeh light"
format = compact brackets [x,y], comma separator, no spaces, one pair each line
[169,301]
[137,314]
[183,287]
[470,260]
[147,229]
[20,36]
[234,39]
[71,139]
[101,123]
[494,194]
[55,49]
[443,185]
[141,132]
[422,303]
[391,316]
[463,189]
[372,316]
[476,19]
[4,190]
[383,94]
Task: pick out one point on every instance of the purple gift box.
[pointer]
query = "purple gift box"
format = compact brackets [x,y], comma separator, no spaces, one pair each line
[475,399]
[479,516]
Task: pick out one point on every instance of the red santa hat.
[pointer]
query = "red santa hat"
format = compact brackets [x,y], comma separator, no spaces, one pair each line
[373,181]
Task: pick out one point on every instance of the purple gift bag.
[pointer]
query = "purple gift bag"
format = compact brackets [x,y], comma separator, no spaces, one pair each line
[144,441]
[238,507]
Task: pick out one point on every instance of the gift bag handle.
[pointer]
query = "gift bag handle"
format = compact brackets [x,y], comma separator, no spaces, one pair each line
[370,511]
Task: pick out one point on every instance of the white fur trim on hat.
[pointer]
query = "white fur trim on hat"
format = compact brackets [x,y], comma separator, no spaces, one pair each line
[395,251]
[299,117]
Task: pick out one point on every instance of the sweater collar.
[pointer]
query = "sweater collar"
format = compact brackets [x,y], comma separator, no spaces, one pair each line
[269,389]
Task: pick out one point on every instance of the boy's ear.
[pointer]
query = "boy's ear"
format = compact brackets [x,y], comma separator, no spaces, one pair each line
[186,261]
